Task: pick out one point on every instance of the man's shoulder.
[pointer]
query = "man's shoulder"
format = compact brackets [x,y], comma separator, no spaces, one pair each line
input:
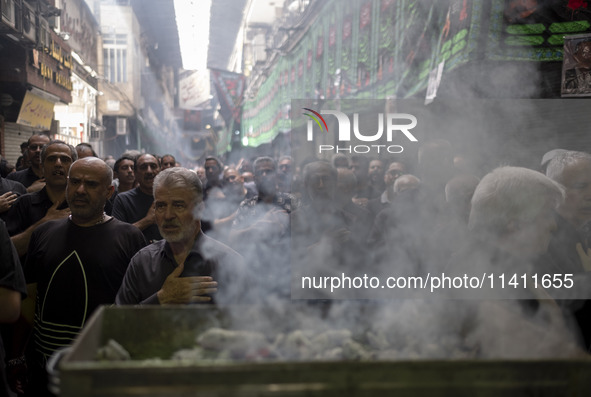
[123,227]
[128,195]
[213,247]
[358,211]
[51,229]
[17,175]
[34,198]
[26,199]
[151,250]
[13,186]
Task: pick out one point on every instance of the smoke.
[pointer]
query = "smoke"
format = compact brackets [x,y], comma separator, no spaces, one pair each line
[492,113]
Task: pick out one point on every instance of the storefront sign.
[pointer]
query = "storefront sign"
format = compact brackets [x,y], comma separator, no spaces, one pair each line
[35,112]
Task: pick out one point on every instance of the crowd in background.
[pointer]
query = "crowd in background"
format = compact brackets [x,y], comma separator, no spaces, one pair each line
[352,214]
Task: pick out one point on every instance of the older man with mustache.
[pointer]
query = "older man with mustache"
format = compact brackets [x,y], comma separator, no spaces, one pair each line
[187,266]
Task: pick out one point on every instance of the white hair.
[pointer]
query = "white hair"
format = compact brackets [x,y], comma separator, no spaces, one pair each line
[511,194]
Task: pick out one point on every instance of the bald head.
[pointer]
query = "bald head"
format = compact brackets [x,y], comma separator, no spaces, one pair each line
[89,187]
[406,182]
[98,164]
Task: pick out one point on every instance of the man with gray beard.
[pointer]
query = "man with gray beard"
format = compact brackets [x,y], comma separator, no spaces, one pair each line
[187,266]
[511,224]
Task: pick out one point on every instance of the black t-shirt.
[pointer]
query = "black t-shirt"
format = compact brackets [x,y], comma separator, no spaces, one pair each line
[7,185]
[26,176]
[11,277]
[133,205]
[76,269]
[27,210]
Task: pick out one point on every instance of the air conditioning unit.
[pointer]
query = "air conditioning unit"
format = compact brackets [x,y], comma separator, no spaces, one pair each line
[10,10]
[43,34]
[29,25]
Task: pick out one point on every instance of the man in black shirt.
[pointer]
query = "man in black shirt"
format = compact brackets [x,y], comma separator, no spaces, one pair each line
[187,266]
[135,206]
[9,192]
[213,172]
[12,290]
[34,209]
[32,177]
[75,264]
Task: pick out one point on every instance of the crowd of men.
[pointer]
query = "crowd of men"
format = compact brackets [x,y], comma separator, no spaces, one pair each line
[77,232]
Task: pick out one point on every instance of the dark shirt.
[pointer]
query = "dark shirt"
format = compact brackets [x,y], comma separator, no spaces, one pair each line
[26,177]
[211,186]
[29,209]
[375,190]
[375,205]
[150,267]
[359,220]
[76,270]
[11,273]
[5,168]
[132,206]
[7,185]
[562,258]
[268,255]
[12,278]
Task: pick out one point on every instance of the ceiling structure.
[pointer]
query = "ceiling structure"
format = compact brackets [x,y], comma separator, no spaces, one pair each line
[157,18]
[228,17]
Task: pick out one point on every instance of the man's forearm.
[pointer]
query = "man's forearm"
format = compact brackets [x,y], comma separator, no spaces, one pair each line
[10,305]
[21,240]
[143,223]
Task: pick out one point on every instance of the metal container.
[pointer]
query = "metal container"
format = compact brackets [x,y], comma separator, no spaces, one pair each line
[148,332]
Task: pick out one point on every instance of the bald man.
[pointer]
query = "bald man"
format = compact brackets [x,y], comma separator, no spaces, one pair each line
[75,264]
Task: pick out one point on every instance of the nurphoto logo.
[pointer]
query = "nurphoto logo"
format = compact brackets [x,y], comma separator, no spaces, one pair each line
[393,122]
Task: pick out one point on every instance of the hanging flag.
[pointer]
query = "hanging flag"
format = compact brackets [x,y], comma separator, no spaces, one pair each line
[230,89]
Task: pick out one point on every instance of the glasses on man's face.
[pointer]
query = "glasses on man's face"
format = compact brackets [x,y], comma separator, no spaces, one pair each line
[33,148]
